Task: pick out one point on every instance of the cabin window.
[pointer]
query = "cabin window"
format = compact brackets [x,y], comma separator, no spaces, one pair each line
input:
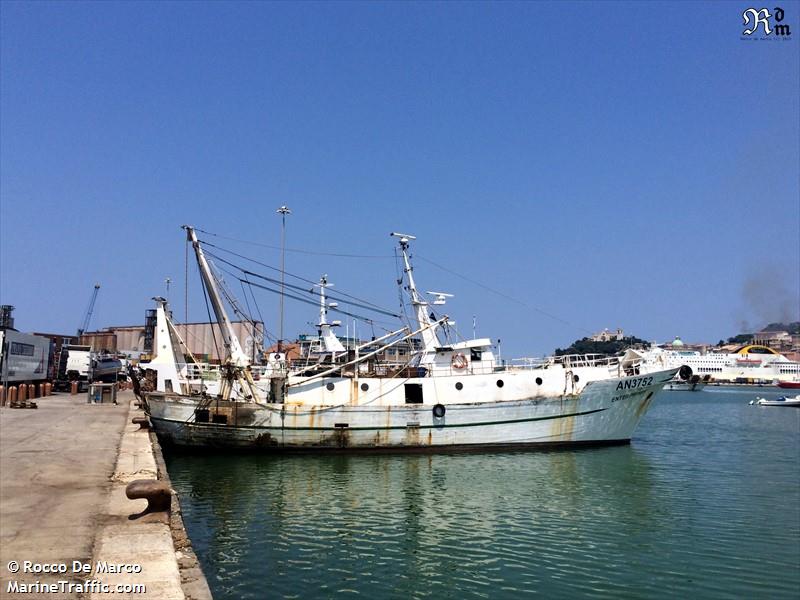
[413,393]
[329,387]
[220,419]
[538,381]
[474,354]
[500,383]
[459,386]
[364,387]
[201,415]
[168,385]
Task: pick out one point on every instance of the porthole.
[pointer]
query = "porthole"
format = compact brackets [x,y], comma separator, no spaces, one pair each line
[576,379]
[500,383]
[364,387]
[538,381]
[459,385]
[329,387]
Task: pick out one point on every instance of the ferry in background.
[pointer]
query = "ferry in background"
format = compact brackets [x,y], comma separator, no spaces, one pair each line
[752,363]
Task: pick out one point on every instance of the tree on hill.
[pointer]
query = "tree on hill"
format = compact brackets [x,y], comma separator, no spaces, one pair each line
[611,347]
[788,327]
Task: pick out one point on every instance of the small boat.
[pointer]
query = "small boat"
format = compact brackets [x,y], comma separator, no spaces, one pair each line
[106,368]
[782,401]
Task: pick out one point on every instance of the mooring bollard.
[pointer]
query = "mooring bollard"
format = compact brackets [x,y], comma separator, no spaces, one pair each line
[73,388]
[2,395]
[22,394]
[12,394]
[157,493]
[142,422]
[48,389]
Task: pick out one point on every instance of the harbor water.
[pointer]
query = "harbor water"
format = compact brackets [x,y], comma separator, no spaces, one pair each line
[704,502]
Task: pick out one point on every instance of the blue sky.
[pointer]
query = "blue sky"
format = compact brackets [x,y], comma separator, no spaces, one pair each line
[631,165]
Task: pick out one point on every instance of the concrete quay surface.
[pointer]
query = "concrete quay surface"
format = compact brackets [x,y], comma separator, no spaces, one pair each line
[63,472]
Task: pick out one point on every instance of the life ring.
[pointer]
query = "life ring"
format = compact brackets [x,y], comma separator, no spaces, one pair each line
[439,410]
[459,361]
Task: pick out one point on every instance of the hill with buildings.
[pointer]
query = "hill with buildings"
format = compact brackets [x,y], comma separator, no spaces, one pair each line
[604,342]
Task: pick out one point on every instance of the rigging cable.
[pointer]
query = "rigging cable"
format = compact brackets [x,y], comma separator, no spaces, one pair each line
[295,250]
[303,279]
[267,334]
[313,303]
[506,296]
[331,296]
[210,320]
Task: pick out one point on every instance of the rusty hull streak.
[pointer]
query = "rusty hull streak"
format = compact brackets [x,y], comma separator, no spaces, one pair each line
[644,405]
[412,436]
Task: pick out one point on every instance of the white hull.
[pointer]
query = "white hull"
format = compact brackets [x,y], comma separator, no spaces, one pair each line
[780,402]
[603,412]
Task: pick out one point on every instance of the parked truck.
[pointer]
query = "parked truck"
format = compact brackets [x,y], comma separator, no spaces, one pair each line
[25,357]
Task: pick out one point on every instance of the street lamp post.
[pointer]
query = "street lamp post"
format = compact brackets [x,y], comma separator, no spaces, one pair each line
[282,211]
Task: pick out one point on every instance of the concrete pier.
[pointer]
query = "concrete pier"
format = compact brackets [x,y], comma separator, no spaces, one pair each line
[63,473]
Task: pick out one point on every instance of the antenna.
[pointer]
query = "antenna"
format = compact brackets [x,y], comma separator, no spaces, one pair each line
[404,238]
[441,297]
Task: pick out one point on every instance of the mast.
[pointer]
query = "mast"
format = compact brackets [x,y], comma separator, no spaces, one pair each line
[235,356]
[328,340]
[282,211]
[428,329]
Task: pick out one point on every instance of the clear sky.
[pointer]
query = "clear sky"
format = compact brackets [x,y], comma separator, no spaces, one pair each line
[631,165]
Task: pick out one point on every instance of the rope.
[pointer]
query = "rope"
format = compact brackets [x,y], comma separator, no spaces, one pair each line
[295,250]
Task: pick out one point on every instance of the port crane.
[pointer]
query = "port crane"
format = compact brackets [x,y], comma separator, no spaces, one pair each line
[88,315]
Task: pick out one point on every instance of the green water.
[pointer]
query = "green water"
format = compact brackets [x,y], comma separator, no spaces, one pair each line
[705,502]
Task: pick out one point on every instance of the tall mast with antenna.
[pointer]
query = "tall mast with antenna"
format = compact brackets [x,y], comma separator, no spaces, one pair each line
[328,340]
[429,339]
[282,211]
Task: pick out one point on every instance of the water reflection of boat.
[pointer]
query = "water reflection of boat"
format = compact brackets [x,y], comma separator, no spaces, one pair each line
[452,394]
[449,513]
[693,384]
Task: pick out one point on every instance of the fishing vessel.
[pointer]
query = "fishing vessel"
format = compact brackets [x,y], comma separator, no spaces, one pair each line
[450,395]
